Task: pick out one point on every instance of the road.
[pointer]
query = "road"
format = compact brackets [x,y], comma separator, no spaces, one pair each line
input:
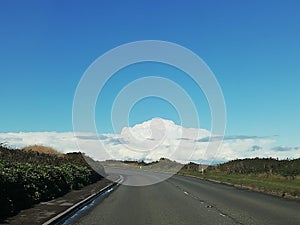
[186,200]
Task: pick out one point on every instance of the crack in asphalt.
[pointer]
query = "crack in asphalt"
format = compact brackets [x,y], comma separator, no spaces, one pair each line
[207,203]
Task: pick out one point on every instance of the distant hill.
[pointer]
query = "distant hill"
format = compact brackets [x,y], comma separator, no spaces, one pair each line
[162,165]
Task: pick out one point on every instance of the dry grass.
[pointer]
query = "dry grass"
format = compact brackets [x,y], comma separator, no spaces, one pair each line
[43,149]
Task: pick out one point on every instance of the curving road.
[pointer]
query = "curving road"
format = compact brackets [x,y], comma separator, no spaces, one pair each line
[185,200]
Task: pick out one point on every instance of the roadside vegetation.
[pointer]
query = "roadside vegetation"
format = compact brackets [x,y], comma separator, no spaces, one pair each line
[39,173]
[279,177]
[43,149]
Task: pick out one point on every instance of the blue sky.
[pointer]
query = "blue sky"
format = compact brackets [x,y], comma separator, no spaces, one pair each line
[253,48]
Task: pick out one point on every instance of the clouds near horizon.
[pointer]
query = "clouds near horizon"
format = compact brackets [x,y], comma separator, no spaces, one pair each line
[152,140]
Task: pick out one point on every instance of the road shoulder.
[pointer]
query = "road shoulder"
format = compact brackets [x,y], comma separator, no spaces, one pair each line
[44,211]
[245,187]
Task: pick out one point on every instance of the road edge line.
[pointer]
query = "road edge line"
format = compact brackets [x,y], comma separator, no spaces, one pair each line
[71,210]
[245,187]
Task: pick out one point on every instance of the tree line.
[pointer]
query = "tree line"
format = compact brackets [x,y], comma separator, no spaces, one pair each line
[288,168]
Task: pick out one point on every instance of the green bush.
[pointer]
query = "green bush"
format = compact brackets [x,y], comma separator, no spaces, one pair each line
[287,168]
[24,184]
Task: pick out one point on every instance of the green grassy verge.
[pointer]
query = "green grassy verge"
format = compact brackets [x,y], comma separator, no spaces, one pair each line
[263,182]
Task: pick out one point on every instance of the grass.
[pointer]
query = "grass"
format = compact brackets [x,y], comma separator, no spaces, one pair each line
[43,149]
[274,184]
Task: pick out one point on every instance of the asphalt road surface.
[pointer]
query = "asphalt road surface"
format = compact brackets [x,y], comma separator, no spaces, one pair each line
[185,200]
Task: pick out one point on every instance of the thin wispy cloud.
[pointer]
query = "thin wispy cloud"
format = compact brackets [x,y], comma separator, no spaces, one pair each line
[285,148]
[255,148]
[230,137]
[92,137]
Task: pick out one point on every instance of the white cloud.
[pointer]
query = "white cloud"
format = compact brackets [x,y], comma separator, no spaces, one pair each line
[64,142]
[152,140]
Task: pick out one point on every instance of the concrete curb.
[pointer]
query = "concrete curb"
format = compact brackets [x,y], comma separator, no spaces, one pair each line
[70,211]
